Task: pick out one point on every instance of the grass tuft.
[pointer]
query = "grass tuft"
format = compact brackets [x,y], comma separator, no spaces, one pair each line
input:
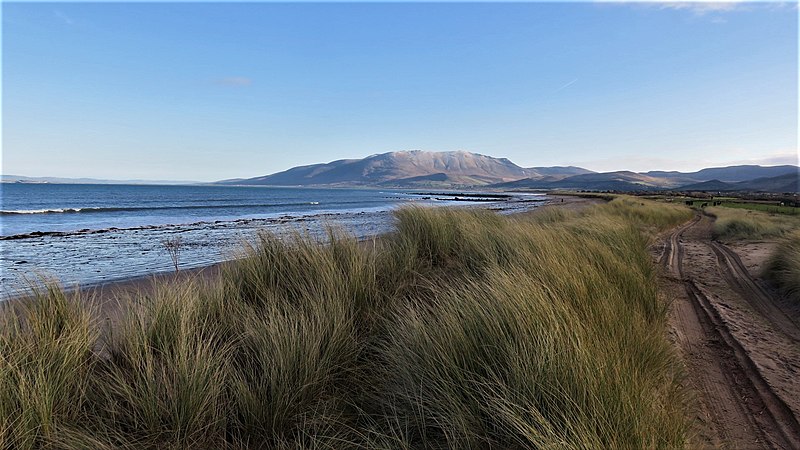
[737,224]
[783,267]
[46,362]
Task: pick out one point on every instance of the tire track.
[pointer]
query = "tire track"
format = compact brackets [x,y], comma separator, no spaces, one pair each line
[673,251]
[745,410]
[739,278]
[772,418]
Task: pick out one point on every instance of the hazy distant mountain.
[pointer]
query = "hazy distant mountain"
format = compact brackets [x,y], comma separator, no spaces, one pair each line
[620,181]
[781,184]
[58,180]
[728,174]
[560,171]
[711,185]
[405,168]
[785,181]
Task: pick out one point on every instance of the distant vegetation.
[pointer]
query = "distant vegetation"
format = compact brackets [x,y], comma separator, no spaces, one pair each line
[463,329]
[735,223]
[766,207]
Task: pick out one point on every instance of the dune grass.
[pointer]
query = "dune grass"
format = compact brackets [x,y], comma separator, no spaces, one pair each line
[783,266]
[733,224]
[46,361]
[462,329]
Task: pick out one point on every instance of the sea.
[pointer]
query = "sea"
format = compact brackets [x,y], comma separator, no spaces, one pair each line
[89,234]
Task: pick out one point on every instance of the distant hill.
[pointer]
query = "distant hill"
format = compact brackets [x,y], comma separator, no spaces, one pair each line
[406,168]
[59,180]
[559,171]
[619,181]
[728,174]
[785,181]
[711,185]
[780,184]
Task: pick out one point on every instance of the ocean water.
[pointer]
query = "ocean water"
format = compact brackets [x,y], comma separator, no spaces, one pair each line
[89,234]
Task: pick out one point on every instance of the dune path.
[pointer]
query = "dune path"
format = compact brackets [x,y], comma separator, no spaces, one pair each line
[741,348]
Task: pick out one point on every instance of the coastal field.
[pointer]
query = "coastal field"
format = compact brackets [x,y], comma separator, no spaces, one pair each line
[461,329]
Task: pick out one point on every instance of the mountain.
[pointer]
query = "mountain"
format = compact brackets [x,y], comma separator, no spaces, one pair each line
[728,174]
[404,168]
[732,178]
[619,181]
[559,171]
[780,184]
[417,169]
[711,185]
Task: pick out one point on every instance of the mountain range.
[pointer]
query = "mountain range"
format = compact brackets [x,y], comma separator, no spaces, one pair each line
[416,169]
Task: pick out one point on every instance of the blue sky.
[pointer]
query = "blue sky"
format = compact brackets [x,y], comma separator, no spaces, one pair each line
[207,91]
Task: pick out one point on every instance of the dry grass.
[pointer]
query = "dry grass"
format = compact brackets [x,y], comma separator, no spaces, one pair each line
[462,329]
[735,224]
[783,267]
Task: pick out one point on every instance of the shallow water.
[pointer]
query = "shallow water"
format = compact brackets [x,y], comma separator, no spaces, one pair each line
[87,234]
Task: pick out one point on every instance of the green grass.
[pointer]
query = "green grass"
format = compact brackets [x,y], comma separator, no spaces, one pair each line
[462,329]
[731,224]
[783,267]
[772,208]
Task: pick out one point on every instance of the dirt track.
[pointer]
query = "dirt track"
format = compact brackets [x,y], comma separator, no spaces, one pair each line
[741,349]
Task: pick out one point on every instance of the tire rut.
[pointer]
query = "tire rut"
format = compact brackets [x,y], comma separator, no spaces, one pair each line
[745,398]
[771,416]
[673,251]
[738,277]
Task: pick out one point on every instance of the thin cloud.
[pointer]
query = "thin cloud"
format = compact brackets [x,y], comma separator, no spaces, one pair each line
[702,8]
[567,85]
[235,81]
[772,160]
[698,8]
[64,18]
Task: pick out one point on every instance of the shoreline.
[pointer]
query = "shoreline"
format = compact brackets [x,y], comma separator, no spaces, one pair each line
[97,253]
[106,296]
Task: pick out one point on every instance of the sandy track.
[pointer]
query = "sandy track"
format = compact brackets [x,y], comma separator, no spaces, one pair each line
[739,277]
[740,349]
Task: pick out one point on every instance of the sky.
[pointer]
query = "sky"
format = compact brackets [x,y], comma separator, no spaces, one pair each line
[209,91]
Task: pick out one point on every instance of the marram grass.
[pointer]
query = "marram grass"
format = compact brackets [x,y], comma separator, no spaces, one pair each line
[737,224]
[462,329]
[783,267]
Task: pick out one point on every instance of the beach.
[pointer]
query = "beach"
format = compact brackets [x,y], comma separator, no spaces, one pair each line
[123,236]
[109,298]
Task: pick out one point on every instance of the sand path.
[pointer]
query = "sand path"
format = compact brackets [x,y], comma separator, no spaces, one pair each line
[740,347]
